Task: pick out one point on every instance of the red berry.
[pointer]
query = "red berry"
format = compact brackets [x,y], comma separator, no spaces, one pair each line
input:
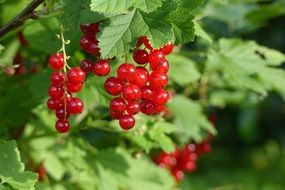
[160,96]
[55,92]
[141,77]
[62,126]
[188,166]
[147,92]
[113,86]
[162,67]
[127,122]
[53,104]
[118,105]
[56,61]
[73,88]
[90,28]
[158,79]
[155,58]
[159,108]
[85,43]
[86,66]
[115,115]
[140,56]
[75,106]
[144,40]
[57,78]
[147,107]
[62,114]
[76,75]
[41,172]
[133,108]
[126,71]
[132,92]
[167,48]
[101,68]
[177,173]
[94,49]
[203,148]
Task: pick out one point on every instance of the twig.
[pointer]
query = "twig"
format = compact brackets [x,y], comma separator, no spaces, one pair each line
[19,19]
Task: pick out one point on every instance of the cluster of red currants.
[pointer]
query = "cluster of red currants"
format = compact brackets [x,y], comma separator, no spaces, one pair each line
[138,89]
[182,160]
[62,86]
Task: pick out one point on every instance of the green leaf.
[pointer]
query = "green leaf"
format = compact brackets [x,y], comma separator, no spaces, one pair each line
[183,25]
[148,5]
[111,6]
[199,31]
[189,118]
[1,48]
[119,35]
[181,64]
[12,170]
[192,5]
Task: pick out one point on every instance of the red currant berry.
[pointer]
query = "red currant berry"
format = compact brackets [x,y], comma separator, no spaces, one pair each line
[127,122]
[158,79]
[147,92]
[159,108]
[160,96]
[76,75]
[147,107]
[204,147]
[133,108]
[126,71]
[155,58]
[62,114]
[56,61]
[86,66]
[188,166]
[115,115]
[73,88]
[167,48]
[62,126]
[132,92]
[113,86]
[53,104]
[57,79]
[140,56]
[91,28]
[101,68]
[177,173]
[55,92]
[94,49]
[162,67]
[75,106]
[141,77]
[144,40]
[118,105]
[85,43]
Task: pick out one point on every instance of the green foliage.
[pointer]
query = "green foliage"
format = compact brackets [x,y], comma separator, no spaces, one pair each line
[12,170]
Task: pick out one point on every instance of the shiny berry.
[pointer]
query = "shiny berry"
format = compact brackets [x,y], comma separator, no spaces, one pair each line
[147,92]
[126,71]
[113,86]
[167,48]
[75,106]
[155,58]
[160,96]
[188,166]
[57,78]
[132,92]
[162,67]
[101,68]
[62,126]
[118,105]
[140,56]
[53,104]
[141,77]
[86,66]
[133,108]
[94,49]
[62,114]
[55,92]
[76,75]
[85,43]
[158,79]
[159,108]
[177,173]
[56,61]
[147,107]
[127,122]
[73,88]
[116,115]
[90,28]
